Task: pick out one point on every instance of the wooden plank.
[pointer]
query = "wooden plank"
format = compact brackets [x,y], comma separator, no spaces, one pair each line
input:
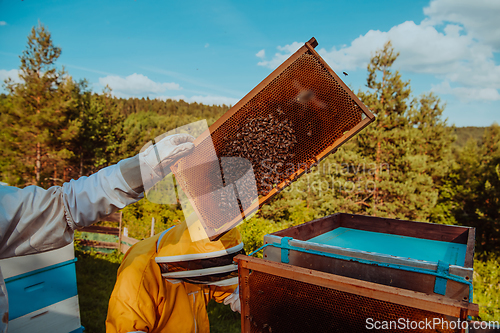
[353,253]
[463,317]
[124,248]
[126,243]
[471,243]
[244,298]
[129,240]
[425,230]
[101,230]
[97,244]
[120,232]
[114,217]
[377,257]
[432,303]
[310,229]
[432,231]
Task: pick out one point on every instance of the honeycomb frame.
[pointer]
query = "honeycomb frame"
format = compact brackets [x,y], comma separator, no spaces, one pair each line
[304,89]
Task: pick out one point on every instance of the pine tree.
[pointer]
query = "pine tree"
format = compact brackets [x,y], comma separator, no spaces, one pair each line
[476,180]
[98,141]
[42,125]
[9,163]
[381,142]
[434,143]
[409,144]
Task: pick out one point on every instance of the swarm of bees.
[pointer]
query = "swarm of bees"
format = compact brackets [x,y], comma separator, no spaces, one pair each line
[236,171]
[267,142]
[227,202]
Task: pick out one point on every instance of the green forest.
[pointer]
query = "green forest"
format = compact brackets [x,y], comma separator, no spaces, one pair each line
[408,164]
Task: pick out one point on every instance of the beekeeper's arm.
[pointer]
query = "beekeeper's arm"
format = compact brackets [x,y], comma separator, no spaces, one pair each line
[34,220]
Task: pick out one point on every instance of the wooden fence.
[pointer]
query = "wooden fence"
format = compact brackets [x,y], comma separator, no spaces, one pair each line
[124,242]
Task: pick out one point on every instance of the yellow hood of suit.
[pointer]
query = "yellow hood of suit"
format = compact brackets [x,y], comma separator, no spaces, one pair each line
[176,245]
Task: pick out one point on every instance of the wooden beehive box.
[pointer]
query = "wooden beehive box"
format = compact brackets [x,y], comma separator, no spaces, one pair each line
[385,251]
[282,298]
[342,272]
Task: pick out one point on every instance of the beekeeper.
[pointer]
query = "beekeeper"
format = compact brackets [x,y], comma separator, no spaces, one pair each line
[165,283]
[34,220]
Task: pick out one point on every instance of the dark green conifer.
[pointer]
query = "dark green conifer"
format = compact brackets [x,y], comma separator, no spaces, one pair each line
[41,120]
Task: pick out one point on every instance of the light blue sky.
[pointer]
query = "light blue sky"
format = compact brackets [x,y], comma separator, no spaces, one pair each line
[217,51]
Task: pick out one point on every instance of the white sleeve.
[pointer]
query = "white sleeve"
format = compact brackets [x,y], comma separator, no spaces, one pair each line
[35,220]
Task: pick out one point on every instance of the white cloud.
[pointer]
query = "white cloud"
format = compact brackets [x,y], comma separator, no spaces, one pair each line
[207,45]
[13,74]
[194,81]
[279,57]
[455,43]
[261,54]
[3,23]
[207,99]
[465,94]
[479,17]
[422,49]
[136,85]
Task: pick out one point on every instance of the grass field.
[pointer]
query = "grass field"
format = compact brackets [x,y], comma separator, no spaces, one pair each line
[96,276]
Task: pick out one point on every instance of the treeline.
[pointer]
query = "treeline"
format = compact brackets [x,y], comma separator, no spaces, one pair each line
[76,132]
[464,134]
[408,164]
[97,130]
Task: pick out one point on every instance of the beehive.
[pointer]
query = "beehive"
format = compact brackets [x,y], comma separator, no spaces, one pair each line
[336,273]
[392,243]
[42,292]
[277,297]
[294,118]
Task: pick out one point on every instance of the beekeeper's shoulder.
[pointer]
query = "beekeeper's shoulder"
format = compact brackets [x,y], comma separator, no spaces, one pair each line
[140,255]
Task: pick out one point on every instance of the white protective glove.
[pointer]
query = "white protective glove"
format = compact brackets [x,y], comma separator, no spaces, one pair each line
[234,300]
[156,159]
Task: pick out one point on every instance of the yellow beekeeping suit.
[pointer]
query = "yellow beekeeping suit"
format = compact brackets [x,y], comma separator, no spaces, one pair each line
[144,301]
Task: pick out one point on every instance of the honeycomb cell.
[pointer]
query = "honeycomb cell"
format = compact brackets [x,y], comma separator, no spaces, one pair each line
[278,304]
